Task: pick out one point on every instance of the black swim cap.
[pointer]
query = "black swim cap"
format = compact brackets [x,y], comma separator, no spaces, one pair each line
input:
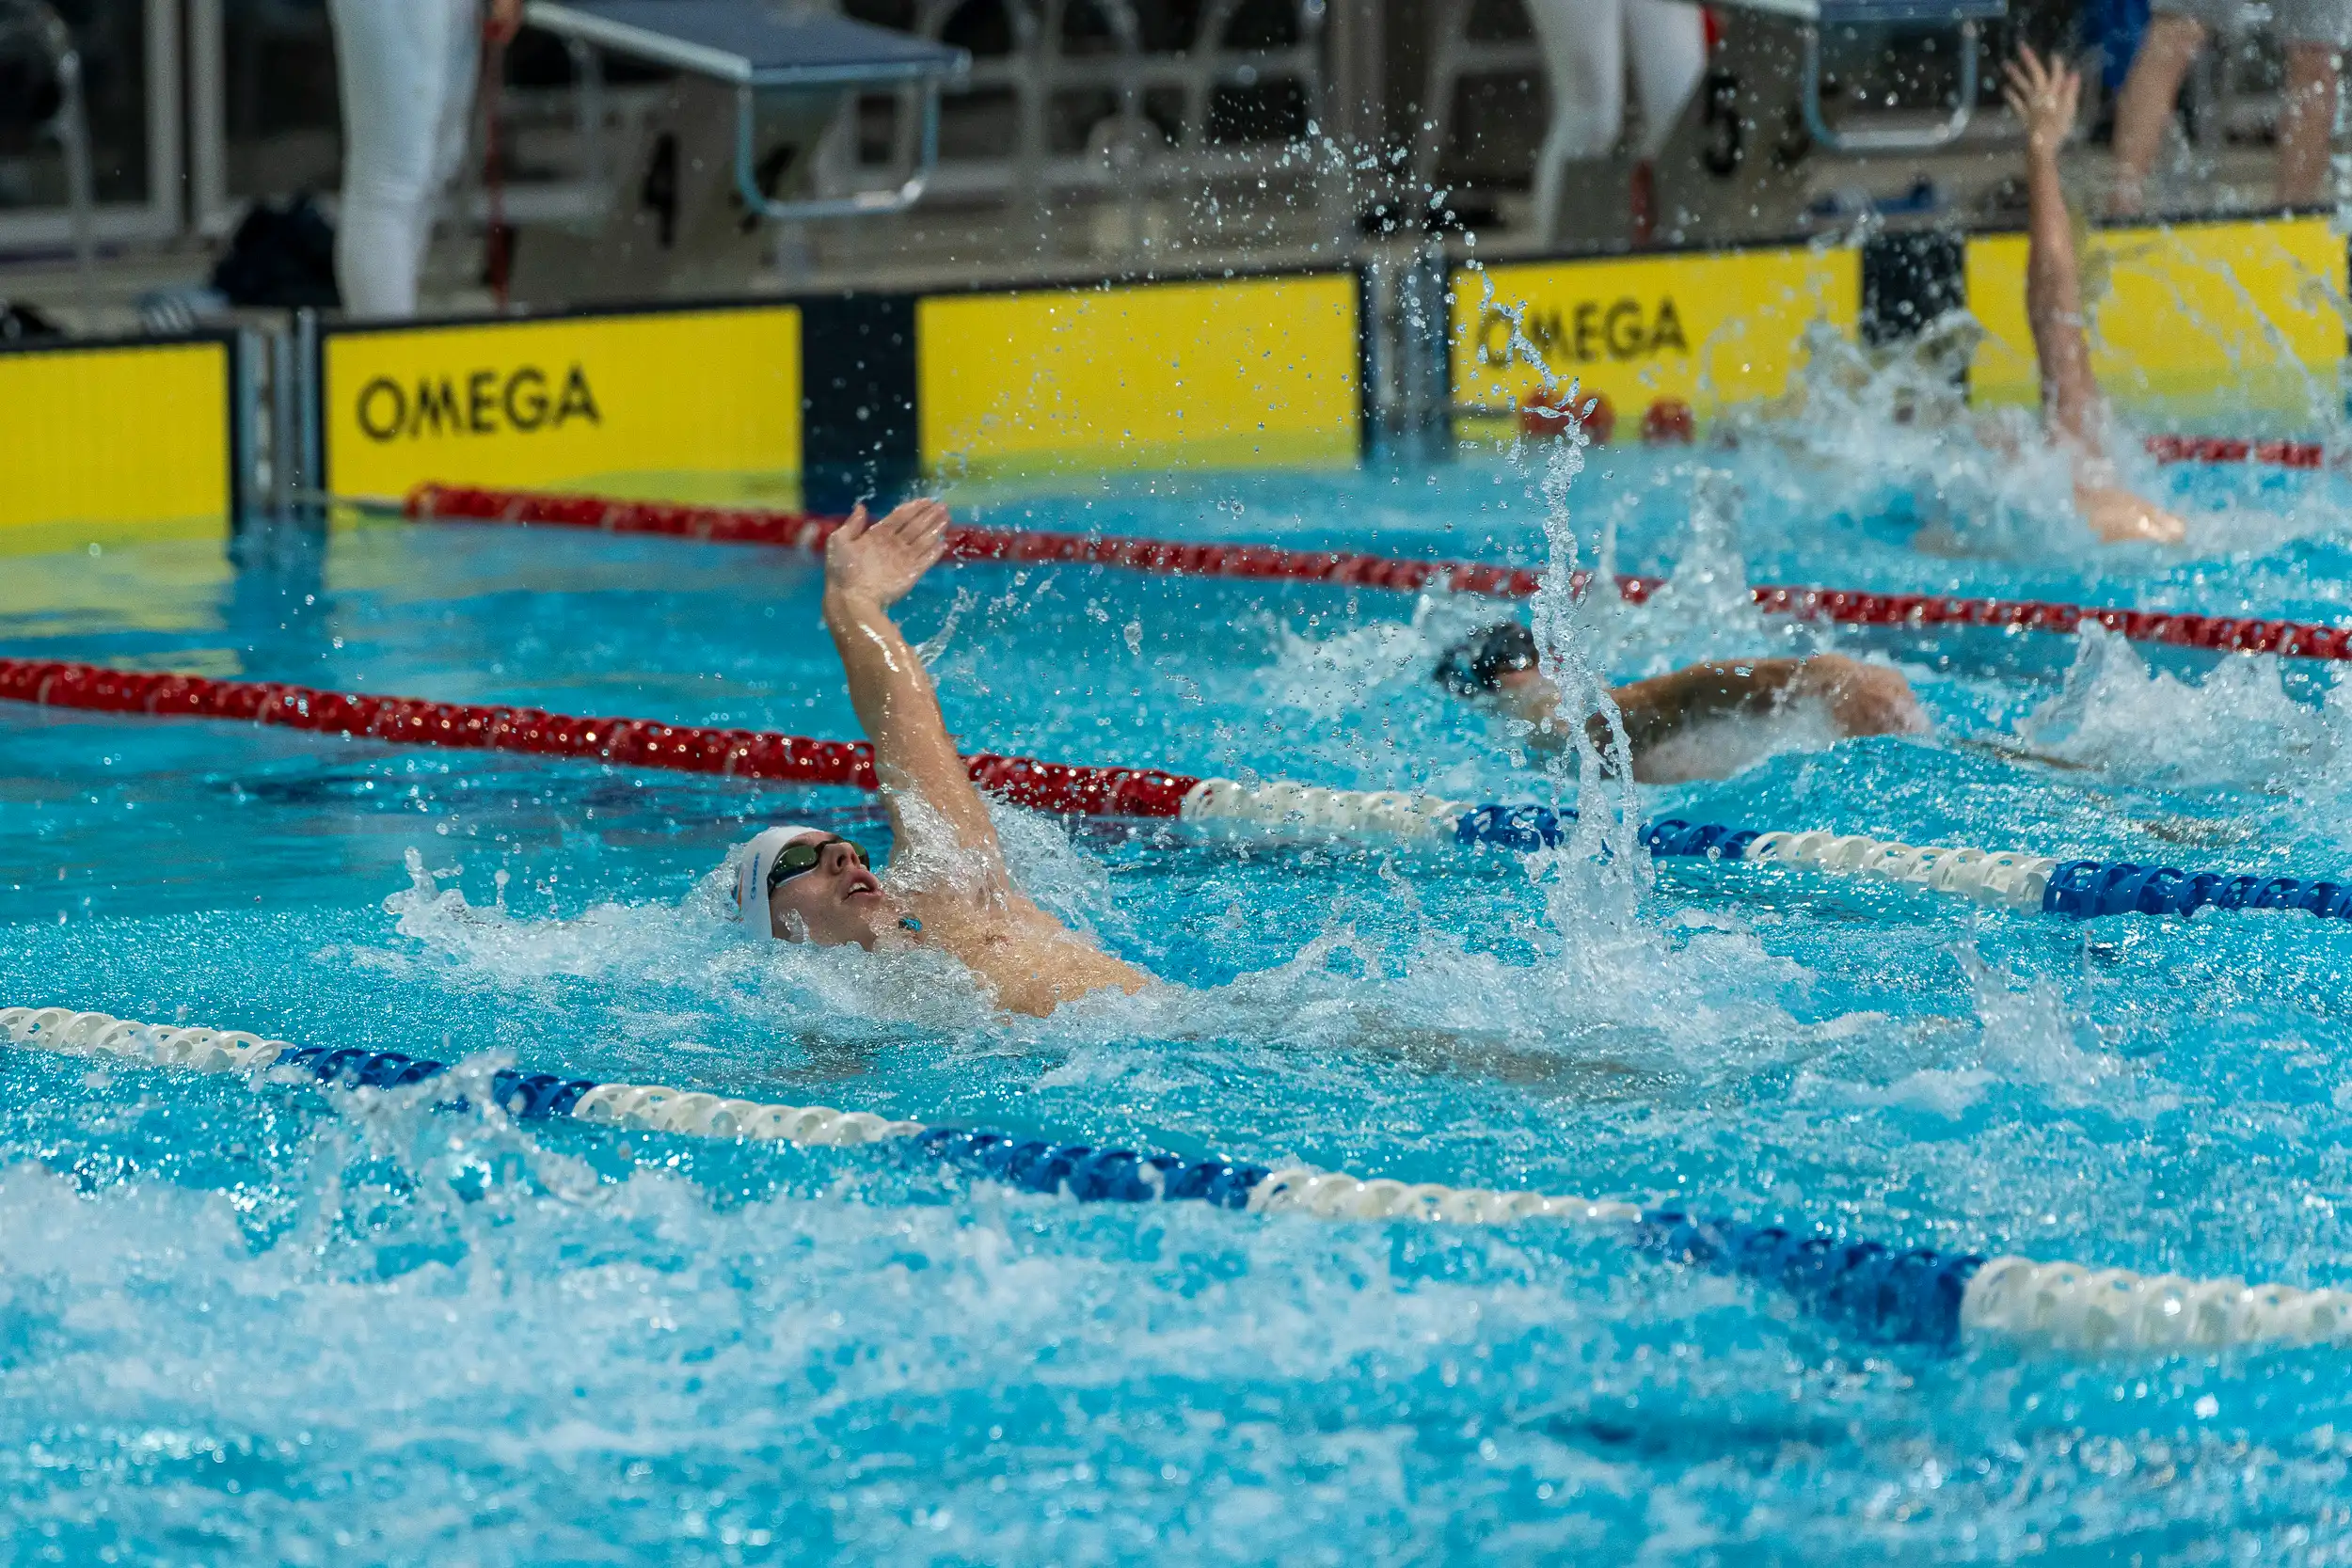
[1476,666]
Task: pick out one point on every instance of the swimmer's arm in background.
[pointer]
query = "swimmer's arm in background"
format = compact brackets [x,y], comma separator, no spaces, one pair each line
[2045,97]
[869,567]
[1862,699]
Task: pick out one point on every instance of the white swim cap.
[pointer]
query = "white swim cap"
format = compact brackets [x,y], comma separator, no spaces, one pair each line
[753,862]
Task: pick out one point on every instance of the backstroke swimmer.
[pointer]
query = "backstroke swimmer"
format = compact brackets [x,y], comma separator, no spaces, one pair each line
[949,886]
[2074,416]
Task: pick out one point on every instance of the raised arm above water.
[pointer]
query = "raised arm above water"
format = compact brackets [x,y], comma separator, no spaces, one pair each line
[869,567]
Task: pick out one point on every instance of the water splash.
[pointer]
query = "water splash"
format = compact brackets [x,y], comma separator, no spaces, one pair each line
[2237,726]
[692,951]
[1889,434]
[1605,843]
[2031,1036]
[1704,610]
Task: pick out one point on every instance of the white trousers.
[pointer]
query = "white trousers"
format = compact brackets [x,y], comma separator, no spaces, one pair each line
[407,68]
[1586,45]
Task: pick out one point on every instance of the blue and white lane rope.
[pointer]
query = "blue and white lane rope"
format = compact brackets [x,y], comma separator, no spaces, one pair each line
[2080,889]
[1913,1296]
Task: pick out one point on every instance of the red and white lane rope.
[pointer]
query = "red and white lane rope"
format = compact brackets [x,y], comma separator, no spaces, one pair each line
[808,531]
[1845,607]
[625,742]
[2076,888]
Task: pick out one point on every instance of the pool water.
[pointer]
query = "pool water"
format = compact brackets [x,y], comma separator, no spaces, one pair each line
[281,1324]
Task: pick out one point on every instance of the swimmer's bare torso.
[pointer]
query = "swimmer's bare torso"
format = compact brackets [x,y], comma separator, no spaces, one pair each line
[949,887]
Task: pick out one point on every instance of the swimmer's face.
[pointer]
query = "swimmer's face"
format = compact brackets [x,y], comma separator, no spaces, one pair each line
[838,903]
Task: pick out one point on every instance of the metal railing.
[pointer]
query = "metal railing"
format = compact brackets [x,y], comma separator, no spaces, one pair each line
[89,218]
[35,23]
[1455,58]
[1128,147]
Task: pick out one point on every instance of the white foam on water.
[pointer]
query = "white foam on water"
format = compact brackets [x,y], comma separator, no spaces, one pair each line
[1697,1000]
[1353,668]
[2031,1036]
[370,1386]
[1726,748]
[696,945]
[2237,726]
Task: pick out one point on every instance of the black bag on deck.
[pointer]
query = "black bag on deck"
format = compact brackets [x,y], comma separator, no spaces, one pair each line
[280,255]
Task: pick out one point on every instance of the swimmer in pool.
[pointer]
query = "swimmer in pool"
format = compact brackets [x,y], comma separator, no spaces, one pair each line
[2044,96]
[2074,416]
[1496,666]
[949,886]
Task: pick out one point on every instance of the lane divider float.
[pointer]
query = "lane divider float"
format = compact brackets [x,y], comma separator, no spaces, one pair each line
[1844,606]
[1904,1295]
[2082,889]
[761,754]
[2213,450]
[2078,889]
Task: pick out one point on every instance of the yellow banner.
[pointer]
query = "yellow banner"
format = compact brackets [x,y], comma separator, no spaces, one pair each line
[108,445]
[2200,318]
[683,406]
[1233,374]
[1710,330]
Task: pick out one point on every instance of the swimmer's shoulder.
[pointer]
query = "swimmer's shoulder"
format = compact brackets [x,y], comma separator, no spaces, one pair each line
[1031,962]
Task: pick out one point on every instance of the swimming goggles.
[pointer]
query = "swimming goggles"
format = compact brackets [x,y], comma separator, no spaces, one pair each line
[800,856]
[1475,667]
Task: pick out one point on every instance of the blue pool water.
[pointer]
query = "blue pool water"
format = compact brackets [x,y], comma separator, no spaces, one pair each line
[288,1325]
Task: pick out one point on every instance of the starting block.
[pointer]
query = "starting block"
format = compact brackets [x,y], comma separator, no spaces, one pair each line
[729,146]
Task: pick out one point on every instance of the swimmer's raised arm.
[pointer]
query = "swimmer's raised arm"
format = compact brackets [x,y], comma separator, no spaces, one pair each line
[869,567]
[2046,95]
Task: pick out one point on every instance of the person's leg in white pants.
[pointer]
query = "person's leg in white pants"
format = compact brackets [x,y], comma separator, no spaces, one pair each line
[1587,46]
[1583,45]
[408,69]
[1666,43]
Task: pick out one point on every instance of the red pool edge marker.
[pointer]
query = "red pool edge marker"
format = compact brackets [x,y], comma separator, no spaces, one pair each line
[761,754]
[1669,421]
[1848,607]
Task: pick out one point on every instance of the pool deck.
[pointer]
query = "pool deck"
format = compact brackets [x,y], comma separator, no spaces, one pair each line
[944,247]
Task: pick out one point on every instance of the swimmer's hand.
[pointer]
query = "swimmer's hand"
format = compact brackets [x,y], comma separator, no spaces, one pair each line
[874,564]
[2046,95]
[2118,516]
